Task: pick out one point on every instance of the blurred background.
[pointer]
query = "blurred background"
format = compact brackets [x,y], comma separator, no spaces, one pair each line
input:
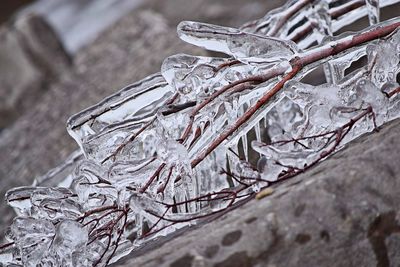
[58,57]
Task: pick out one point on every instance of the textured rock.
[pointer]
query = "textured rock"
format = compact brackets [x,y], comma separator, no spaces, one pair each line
[129,50]
[31,57]
[343,212]
[121,56]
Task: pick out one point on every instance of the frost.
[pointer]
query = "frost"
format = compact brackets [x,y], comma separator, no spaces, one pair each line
[207,132]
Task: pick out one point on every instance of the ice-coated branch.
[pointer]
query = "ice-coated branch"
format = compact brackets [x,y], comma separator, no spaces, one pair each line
[208,133]
[302,60]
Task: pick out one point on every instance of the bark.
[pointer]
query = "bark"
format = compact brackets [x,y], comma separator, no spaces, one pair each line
[343,212]
[127,51]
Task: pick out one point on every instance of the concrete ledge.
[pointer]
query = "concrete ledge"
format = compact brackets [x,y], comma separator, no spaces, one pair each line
[343,212]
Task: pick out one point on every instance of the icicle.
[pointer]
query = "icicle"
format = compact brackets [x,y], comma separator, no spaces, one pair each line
[245,147]
[246,47]
[134,171]
[373,11]
[321,20]
[257,129]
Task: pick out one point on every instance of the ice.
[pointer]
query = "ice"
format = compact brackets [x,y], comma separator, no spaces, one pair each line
[384,59]
[174,153]
[143,169]
[147,207]
[30,227]
[9,255]
[169,126]
[187,74]
[273,23]
[196,78]
[373,11]
[33,249]
[242,167]
[70,236]
[61,175]
[24,199]
[276,157]
[321,20]
[394,105]
[19,199]
[285,119]
[32,237]
[81,258]
[366,94]
[113,120]
[316,104]
[246,47]
[134,174]
[124,248]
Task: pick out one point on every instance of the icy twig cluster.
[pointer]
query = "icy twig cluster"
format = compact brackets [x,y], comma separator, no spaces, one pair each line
[206,132]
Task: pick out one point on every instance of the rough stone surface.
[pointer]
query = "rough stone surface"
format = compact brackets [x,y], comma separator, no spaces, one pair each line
[129,50]
[98,72]
[343,212]
[31,57]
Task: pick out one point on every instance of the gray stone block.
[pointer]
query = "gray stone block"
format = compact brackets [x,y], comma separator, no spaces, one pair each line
[343,212]
[31,57]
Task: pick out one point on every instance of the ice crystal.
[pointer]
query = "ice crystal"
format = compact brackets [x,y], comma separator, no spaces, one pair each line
[206,132]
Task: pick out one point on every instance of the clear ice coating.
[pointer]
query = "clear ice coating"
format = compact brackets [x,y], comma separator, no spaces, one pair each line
[373,11]
[196,78]
[135,177]
[245,47]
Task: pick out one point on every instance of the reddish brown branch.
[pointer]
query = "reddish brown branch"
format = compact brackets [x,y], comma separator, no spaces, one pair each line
[250,112]
[288,14]
[304,59]
[162,188]
[334,13]
[97,210]
[392,93]
[120,232]
[227,64]
[339,135]
[256,79]
[134,135]
[346,8]
[130,139]
[152,178]
[6,245]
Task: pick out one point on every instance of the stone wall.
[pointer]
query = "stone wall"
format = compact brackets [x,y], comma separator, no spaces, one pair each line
[34,138]
[343,212]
